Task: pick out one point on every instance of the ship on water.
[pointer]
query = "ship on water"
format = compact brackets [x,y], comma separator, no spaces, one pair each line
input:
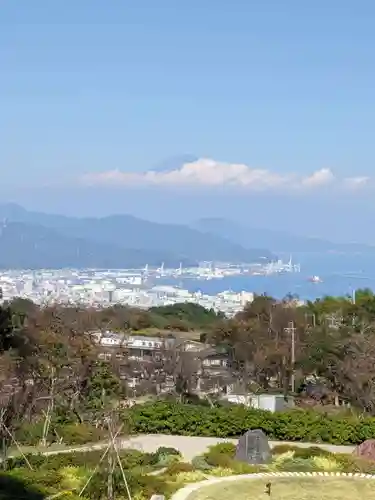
[315,279]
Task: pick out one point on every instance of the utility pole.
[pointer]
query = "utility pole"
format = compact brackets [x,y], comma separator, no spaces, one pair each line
[292,330]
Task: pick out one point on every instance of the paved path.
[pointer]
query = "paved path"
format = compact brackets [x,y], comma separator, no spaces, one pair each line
[188,446]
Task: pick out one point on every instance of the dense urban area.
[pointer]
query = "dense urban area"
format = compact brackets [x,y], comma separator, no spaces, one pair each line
[73,376]
[142,288]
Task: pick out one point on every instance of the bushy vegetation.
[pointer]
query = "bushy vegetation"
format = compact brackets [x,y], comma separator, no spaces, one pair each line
[56,390]
[224,422]
[66,474]
[31,434]
[181,317]
[184,317]
[316,459]
[221,461]
[129,459]
[69,472]
[220,457]
[293,425]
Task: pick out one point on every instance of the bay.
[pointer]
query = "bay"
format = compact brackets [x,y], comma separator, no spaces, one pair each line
[340,275]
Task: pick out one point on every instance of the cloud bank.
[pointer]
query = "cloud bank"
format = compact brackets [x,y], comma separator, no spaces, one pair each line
[206,172]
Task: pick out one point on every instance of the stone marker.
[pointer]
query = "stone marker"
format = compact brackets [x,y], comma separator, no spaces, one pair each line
[253,448]
[366,450]
[157,497]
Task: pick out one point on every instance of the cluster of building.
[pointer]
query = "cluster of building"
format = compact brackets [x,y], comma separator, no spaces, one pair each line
[102,288]
[208,369]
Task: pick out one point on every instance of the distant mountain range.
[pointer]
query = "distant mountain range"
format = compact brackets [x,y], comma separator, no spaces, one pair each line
[36,240]
[174,162]
[276,241]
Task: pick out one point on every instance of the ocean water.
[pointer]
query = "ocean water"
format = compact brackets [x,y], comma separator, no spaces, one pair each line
[340,275]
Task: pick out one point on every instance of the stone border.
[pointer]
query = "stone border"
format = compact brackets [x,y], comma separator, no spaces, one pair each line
[184,492]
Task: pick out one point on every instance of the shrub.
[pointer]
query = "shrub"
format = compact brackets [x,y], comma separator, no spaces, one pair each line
[228,449]
[280,449]
[129,459]
[36,461]
[178,467]
[133,458]
[296,465]
[141,486]
[351,463]
[73,478]
[13,486]
[278,460]
[292,425]
[167,460]
[220,455]
[365,466]
[163,450]
[31,434]
[200,463]
[218,459]
[79,433]
[311,451]
[71,434]
[326,464]
[190,477]
[290,461]
[238,467]
[146,486]
[220,472]
[56,462]
[298,452]
[41,479]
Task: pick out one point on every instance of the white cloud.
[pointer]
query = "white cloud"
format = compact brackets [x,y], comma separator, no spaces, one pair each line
[356,182]
[210,173]
[319,178]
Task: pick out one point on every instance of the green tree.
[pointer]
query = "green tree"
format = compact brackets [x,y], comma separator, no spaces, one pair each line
[104,388]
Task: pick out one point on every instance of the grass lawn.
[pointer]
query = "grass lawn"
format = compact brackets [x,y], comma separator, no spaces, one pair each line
[320,488]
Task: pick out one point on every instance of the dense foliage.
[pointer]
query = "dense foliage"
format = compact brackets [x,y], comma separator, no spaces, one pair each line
[74,475]
[220,460]
[55,387]
[225,422]
[185,317]
[66,474]
[328,345]
[179,317]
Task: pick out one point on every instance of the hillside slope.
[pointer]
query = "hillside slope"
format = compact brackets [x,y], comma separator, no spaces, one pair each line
[276,241]
[114,241]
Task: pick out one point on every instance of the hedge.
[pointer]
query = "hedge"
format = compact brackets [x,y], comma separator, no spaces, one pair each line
[130,459]
[230,422]
[71,434]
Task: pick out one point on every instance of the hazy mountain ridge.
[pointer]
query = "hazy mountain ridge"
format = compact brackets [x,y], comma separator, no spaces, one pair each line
[33,239]
[174,162]
[276,241]
[29,246]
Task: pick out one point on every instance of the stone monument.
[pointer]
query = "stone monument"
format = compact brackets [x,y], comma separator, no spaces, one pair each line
[253,448]
[366,450]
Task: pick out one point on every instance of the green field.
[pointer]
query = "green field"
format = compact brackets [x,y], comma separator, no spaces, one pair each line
[320,488]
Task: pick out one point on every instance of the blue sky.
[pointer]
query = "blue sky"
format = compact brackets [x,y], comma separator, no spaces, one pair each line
[89,87]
